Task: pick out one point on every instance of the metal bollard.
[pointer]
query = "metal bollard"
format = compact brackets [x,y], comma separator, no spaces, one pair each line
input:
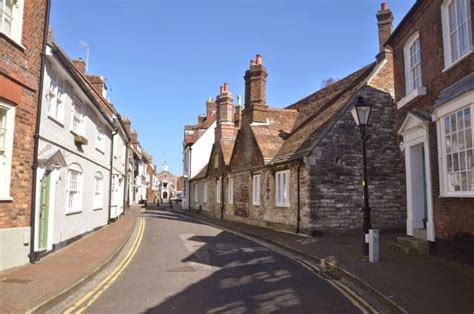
[374,246]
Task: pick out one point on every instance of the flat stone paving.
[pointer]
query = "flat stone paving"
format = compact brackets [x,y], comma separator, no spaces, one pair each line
[23,288]
[419,284]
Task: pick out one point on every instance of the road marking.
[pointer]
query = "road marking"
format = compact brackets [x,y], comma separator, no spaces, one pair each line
[85,301]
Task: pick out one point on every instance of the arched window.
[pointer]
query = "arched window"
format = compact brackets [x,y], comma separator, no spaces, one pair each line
[74,188]
[98,191]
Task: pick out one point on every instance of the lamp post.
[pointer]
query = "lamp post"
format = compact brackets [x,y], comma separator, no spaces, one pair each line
[361,114]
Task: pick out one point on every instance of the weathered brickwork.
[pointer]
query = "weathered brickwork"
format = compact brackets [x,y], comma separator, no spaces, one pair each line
[334,169]
[451,215]
[20,68]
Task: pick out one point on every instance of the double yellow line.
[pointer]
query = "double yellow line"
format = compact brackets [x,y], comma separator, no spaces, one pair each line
[85,301]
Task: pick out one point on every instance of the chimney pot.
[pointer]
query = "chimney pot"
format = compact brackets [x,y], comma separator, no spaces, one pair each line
[258,59]
[225,87]
[384,6]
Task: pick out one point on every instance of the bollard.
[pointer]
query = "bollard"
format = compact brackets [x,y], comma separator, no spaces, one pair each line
[374,246]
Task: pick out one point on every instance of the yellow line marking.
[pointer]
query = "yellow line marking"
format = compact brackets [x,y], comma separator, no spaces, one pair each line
[85,301]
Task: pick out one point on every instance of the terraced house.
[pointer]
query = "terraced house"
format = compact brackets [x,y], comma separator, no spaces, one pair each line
[298,168]
[434,91]
[23,32]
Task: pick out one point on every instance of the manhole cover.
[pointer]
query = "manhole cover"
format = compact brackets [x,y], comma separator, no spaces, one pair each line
[184,269]
[14,280]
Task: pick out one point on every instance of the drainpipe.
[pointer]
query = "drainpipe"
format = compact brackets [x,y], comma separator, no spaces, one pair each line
[34,256]
[109,220]
[126,188]
[298,199]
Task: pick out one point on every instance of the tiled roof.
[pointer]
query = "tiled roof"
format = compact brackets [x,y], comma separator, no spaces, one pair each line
[317,110]
[226,149]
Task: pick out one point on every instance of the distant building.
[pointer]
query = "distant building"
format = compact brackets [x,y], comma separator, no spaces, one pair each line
[167,184]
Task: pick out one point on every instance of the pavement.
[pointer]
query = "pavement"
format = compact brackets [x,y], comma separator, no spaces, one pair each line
[36,286]
[418,284]
[186,266]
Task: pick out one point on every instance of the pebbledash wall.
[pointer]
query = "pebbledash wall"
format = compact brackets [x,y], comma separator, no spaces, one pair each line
[56,137]
[20,64]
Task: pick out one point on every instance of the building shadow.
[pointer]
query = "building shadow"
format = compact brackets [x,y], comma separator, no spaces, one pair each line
[244,277]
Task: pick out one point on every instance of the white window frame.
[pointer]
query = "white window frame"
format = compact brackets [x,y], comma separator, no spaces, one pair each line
[282,188]
[6,151]
[74,201]
[98,202]
[216,161]
[449,59]
[218,190]
[16,20]
[411,50]
[256,190]
[460,103]
[55,99]
[100,138]
[195,192]
[78,106]
[230,191]
[205,192]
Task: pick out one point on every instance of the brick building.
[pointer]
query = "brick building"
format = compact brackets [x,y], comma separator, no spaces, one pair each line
[23,33]
[434,92]
[299,168]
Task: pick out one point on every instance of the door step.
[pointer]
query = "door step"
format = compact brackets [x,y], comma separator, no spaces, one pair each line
[410,246]
[420,234]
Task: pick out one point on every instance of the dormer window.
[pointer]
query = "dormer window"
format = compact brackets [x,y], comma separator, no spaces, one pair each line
[456,16]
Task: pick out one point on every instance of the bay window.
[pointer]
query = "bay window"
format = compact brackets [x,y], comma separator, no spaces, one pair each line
[456,151]
[282,188]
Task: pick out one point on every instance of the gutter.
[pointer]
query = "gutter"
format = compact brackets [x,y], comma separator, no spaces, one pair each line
[109,220]
[34,256]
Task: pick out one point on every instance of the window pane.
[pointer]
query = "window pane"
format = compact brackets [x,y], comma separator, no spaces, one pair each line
[454,139]
[448,144]
[447,125]
[467,117]
[463,176]
[450,163]
[456,162]
[461,141]
[453,123]
[462,162]
[460,120]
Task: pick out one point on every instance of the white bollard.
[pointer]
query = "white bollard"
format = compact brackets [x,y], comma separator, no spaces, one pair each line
[374,246]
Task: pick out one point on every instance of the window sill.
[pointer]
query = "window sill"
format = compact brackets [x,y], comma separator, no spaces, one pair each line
[100,208]
[420,91]
[282,205]
[6,199]
[12,41]
[76,133]
[455,63]
[100,150]
[60,123]
[457,195]
[74,212]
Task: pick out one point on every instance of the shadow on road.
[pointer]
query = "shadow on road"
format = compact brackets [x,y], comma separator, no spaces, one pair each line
[246,277]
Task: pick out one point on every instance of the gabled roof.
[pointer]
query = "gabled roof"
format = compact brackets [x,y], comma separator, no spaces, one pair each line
[226,149]
[315,113]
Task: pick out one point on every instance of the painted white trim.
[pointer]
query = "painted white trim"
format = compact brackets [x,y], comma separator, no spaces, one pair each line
[286,188]
[7,154]
[453,105]
[406,56]
[256,190]
[412,137]
[16,22]
[420,91]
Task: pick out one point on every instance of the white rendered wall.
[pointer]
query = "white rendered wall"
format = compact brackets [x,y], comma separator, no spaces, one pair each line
[201,150]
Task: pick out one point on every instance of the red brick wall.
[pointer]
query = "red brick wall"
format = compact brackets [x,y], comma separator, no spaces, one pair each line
[20,69]
[452,215]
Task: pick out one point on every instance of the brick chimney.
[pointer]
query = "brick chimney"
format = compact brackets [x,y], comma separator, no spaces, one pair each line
[80,65]
[385,20]
[210,107]
[256,109]
[134,138]
[225,115]
[126,121]
[98,82]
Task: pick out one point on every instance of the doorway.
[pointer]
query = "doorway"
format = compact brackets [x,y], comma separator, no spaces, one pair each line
[44,210]
[419,190]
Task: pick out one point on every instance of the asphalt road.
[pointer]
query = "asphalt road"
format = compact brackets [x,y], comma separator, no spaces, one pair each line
[183,266]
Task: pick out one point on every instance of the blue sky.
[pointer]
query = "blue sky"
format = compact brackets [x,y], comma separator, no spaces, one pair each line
[164,58]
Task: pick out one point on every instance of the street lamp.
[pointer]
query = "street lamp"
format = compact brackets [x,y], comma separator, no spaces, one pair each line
[361,113]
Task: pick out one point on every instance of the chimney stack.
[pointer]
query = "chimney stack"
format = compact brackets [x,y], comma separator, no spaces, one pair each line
[126,121]
[80,65]
[211,107]
[225,115]
[256,109]
[385,20]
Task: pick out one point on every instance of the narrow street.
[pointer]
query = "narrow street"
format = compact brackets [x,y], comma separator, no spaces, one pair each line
[184,266]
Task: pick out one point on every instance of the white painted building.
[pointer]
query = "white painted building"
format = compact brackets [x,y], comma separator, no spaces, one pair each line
[119,170]
[195,158]
[74,156]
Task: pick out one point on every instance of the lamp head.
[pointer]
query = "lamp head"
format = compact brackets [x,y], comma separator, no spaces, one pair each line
[361,112]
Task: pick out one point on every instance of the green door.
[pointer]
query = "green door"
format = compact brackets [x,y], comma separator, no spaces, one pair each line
[44,211]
